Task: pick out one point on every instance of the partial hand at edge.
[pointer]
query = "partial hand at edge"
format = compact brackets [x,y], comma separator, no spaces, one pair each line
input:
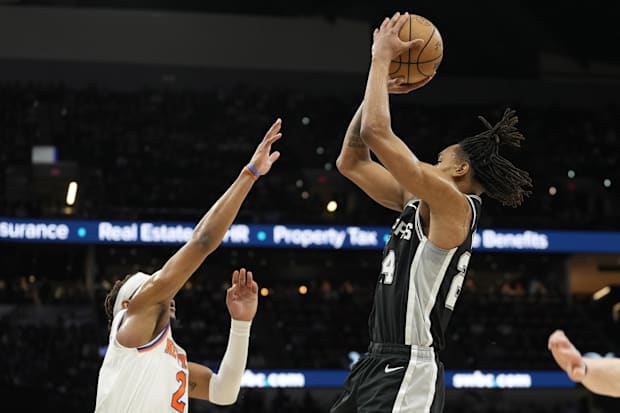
[567,356]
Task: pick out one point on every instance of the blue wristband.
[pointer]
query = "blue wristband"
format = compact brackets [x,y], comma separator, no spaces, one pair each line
[254,170]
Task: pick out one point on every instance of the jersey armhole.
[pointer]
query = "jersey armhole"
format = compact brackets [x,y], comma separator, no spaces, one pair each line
[474,213]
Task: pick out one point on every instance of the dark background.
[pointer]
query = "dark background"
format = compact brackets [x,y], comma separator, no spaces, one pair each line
[162,142]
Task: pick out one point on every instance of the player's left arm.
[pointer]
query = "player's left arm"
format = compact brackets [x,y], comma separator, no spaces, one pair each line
[223,387]
[199,380]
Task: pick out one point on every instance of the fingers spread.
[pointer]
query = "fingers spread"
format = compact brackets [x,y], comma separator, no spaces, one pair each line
[394,20]
[274,156]
[400,20]
[275,128]
[274,138]
[385,22]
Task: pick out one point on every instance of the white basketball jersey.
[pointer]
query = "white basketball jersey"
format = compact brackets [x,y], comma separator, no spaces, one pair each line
[147,379]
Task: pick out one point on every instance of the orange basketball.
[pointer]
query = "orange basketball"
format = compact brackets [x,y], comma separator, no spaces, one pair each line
[416,65]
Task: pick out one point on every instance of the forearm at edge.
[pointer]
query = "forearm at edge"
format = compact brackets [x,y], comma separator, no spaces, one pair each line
[603,376]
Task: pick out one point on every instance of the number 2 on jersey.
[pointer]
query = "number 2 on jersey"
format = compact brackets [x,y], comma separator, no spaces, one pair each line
[177,404]
[387,267]
[457,281]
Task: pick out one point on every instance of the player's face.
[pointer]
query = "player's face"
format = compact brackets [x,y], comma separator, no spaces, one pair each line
[448,159]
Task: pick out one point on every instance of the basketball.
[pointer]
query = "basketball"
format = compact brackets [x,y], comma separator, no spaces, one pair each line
[416,65]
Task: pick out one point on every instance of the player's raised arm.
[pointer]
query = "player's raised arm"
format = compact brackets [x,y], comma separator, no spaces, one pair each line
[419,178]
[355,163]
[223,388]
[472,166]
[159,289]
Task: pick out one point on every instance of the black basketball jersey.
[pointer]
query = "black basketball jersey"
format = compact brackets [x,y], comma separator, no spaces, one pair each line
[419,282]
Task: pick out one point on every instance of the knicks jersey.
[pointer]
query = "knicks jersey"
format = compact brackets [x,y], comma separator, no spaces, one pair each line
[419,282]
[151,378]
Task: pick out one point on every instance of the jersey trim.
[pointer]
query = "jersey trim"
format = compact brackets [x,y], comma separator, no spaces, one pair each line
[434,292]
[158,340]
[418,224]
[473,210]
[411,296]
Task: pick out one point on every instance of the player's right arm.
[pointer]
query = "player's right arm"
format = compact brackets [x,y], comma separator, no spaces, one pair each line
[600,376]
[355,163]
[145,309]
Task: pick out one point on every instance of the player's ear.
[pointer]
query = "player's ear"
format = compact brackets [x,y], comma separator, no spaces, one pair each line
[462,168]
[125,304]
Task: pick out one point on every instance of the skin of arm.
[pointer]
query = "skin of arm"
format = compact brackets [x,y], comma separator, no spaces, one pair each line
[199,379]
[449,208]
[355,163]
[148,312]
[600,376]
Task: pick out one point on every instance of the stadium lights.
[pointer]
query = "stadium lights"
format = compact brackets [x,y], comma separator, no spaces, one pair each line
[601,293]
[615,312]
[71,193]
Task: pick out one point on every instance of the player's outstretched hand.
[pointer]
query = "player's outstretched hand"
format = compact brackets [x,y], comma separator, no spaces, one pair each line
[567,356]
[242,297]
[396,86]
[263,158]
[386,43]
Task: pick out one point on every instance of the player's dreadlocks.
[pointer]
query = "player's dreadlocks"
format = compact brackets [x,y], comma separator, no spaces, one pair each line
[499,177]
[110,299]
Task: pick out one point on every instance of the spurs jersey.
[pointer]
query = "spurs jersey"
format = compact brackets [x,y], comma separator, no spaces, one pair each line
[151,378]
[419,282]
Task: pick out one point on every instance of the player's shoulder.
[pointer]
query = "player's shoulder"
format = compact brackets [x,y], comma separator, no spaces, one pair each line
[411,201]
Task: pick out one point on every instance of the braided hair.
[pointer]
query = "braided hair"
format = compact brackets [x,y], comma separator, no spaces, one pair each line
[110,299]
[500,178]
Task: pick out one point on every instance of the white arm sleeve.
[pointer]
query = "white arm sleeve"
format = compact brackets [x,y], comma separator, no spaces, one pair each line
[224,386]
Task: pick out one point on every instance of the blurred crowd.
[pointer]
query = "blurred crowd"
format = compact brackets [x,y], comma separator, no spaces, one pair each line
[161,154]
[168,155]
[56,334]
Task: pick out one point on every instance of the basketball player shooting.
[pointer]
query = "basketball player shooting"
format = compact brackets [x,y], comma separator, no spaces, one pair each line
[144,369]
[427,255]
